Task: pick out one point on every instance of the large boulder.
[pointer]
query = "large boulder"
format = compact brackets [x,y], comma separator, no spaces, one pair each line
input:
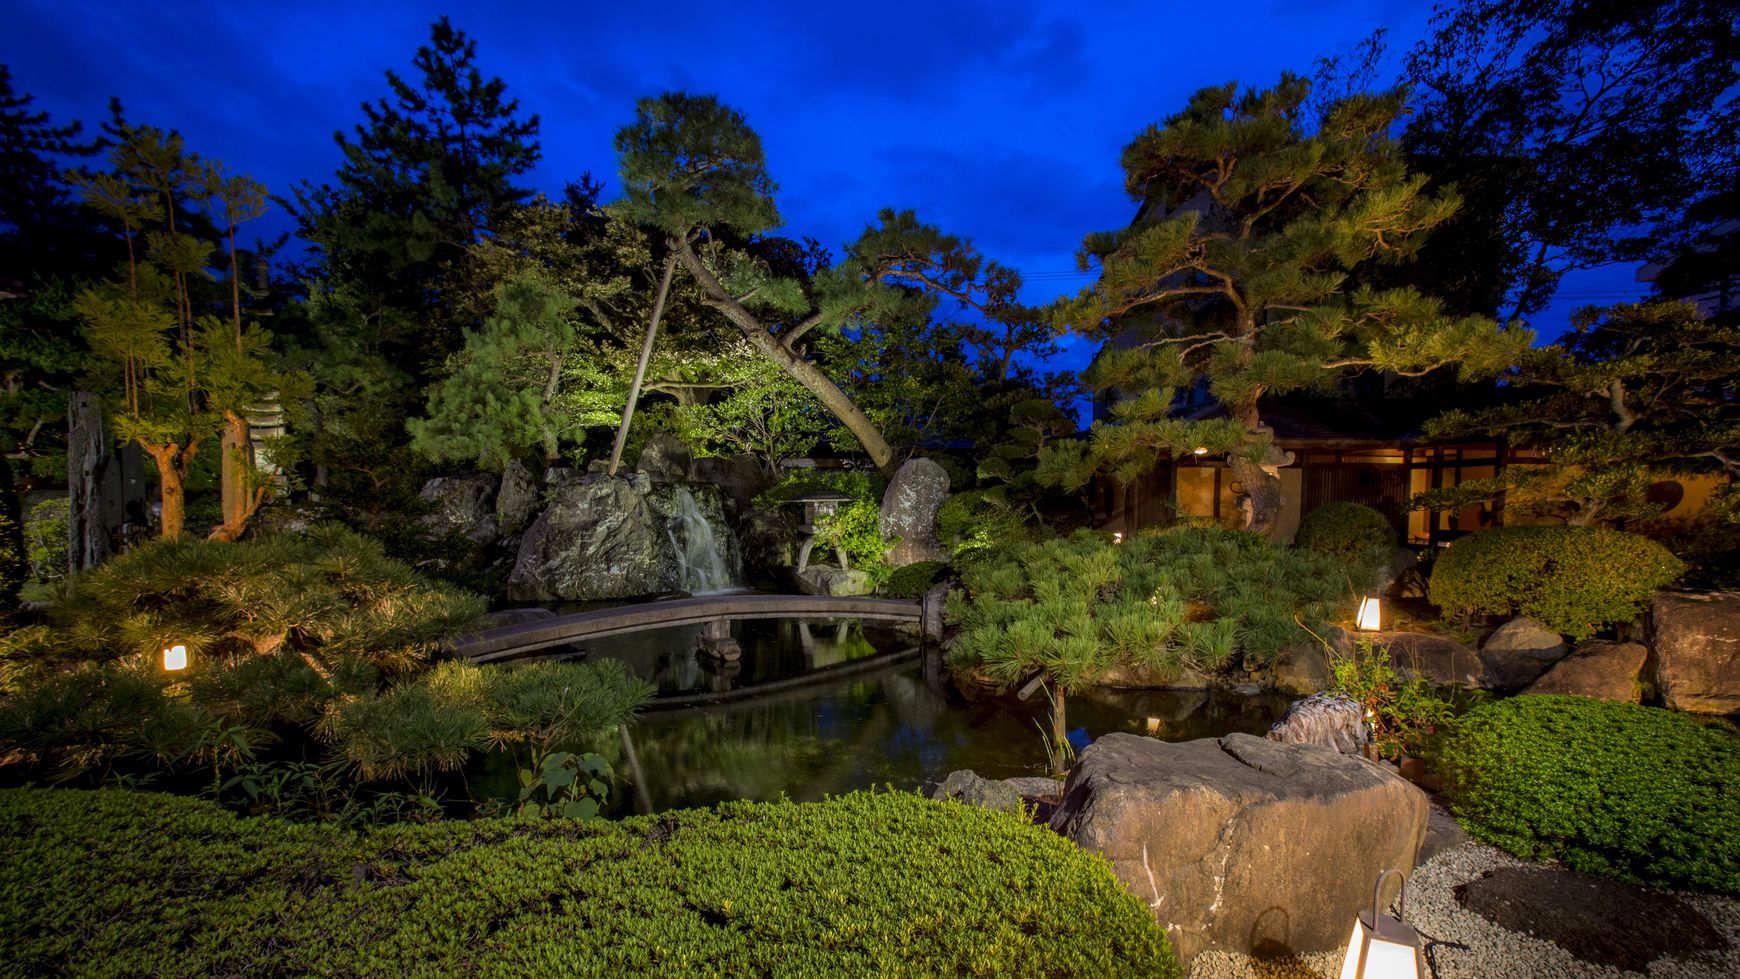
[769,540]
[740,476]
[1440,659]
[909,508]
[666,457]
[829,581]
[606,538]
[1697,648]
[465,503]
[1136,676]
[1303,668]
[517,500]
[1242,844]
[1518,653]
[1599,669]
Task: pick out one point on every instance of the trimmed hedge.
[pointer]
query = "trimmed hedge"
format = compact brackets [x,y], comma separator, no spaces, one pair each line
[887,884]
[1639,793]
[1574,580]
[1356,534]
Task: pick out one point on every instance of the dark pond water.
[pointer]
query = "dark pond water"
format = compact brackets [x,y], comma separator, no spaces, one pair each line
[887,725]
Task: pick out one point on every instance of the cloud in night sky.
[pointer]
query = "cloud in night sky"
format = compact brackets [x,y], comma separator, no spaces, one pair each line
[999,121]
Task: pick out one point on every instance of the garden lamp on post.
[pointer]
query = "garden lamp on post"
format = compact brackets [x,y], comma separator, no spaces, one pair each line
[175,658]
[1382,947]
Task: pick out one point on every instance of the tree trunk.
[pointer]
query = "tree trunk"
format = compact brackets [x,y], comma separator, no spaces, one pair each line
[241,498]
[652,329]
[169,484]
[801,370]
[1059,726]
[1262,494]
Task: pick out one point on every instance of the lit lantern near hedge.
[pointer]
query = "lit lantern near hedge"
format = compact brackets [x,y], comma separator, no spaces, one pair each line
[1381,947]
[1370,616]
[175,657]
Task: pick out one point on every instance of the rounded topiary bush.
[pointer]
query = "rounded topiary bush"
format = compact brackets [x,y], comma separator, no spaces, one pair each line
[883,884]
[1639,793]
[1356,534]
[1575,580]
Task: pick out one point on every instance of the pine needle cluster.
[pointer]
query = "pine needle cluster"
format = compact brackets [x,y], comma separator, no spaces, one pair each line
[1199,598]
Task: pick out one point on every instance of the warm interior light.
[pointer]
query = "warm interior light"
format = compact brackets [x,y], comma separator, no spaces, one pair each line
[175,657]
[1381,947]
[1200,450]
[1370,616]
[1118,537]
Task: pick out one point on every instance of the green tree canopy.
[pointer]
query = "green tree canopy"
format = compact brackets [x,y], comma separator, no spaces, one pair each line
[1234,275]
[1635,393]
[530,376]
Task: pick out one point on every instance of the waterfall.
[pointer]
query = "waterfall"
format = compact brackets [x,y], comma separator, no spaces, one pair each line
[701,568]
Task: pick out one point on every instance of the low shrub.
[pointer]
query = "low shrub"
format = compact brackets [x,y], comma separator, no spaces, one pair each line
[886,884]
[324,595]
[1355,534]
[1575,580]
[855,529]
[1639,793]
[1079,605]
[311,648]
[914,580]
[1403,713]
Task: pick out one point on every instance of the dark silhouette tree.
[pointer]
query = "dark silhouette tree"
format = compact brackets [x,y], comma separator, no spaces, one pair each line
[1576,131]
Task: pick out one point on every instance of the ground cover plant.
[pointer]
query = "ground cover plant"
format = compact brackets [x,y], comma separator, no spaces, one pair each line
[891,884]
[1574,580]
[1634,792]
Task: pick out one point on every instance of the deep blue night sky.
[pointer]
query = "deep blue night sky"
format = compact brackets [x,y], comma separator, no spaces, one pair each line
[1001,121]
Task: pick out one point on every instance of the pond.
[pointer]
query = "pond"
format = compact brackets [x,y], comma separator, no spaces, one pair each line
[873,718]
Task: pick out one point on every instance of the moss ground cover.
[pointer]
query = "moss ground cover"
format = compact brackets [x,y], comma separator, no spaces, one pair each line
[889,884]
[1639,793]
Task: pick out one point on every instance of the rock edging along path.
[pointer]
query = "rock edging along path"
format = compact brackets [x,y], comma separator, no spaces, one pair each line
[505,642]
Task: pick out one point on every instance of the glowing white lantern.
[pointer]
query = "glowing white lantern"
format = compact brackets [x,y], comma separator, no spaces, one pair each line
[1370,616]
[1118,537]
[1382,947]
[175,657]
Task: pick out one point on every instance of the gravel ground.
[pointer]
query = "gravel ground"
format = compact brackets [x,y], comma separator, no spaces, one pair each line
[1463,945]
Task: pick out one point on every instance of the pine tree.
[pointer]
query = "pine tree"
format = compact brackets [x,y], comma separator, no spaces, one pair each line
[1234,275]
[36,212]
[1635,393]
[694,171]
[525,379]
[430,170]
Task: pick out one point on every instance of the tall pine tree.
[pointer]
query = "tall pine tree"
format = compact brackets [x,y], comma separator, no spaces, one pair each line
[432,167]
[1234,276]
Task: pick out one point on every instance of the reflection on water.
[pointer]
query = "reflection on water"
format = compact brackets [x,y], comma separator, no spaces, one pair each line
[890,728]
[886,727]
[773,649]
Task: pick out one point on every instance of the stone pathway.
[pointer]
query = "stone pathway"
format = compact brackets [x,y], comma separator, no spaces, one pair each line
[1464,944]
